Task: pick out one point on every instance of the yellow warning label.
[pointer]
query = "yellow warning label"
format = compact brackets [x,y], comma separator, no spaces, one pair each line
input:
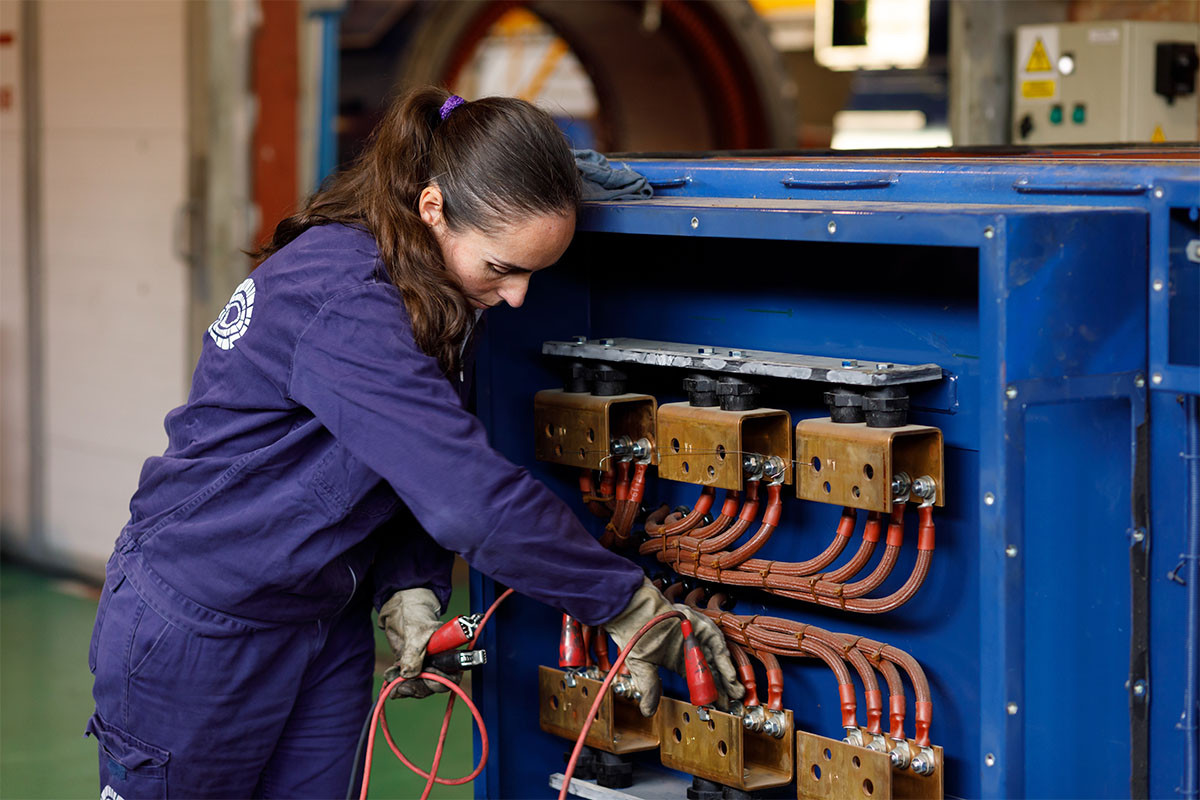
[1037,90]
[1158,135]
[1038,60]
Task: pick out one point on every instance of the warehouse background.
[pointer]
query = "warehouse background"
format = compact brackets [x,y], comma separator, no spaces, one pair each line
[145,146]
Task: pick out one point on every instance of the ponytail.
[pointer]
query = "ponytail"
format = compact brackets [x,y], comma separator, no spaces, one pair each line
[494,160]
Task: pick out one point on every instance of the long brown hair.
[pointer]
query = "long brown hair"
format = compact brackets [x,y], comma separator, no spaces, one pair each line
[495,160]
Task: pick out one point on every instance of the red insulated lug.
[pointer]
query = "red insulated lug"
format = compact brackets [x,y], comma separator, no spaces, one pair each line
[873,527]
[895,534]
[454,634]
[874,698]
[637,487]
[606,483]
[846,524]
[774,506]
[849,706]
[750,506]
[925,528]
[896,712]
[571,649]
[924,717]
[622,481]
[702,691]
[730,507]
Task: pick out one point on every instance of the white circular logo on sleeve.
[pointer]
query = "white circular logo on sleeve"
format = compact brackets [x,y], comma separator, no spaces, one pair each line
[235,318]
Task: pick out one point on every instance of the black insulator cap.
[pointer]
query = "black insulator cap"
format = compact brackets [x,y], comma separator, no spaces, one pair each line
[607,381]
[701,390]
[735,394]
[886,407]
[703,790]
[576,379]
[613,771]
[845,404]
[734,793]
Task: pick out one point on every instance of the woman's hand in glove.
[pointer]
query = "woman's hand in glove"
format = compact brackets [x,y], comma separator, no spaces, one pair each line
[409,618]
[662,646]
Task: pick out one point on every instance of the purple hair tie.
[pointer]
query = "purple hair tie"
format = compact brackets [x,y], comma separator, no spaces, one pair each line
[452,102]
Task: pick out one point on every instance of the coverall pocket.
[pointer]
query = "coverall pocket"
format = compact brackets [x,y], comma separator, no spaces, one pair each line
[111,585]
[349,488]
[130,769]
[149,632]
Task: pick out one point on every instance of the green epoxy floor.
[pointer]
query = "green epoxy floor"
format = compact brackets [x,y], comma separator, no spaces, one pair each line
[46,698]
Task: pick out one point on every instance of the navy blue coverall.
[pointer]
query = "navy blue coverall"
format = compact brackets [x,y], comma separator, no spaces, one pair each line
[321,463]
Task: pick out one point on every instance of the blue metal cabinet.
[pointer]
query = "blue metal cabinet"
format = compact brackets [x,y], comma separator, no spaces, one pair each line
[1049,628]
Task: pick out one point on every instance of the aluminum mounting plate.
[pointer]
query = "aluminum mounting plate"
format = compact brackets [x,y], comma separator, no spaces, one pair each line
[736,361]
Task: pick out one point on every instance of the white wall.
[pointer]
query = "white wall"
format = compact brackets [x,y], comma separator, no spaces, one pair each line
[14,341]
[114,166]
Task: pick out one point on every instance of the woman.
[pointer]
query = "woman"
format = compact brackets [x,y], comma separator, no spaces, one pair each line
[324,462]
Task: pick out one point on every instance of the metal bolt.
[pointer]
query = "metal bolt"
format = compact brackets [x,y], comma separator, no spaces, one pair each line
[736,354]
[831,227]
[884,366]
[695,222]
[1011,708]
[578,340]
[1156,378]
[850,362]
[901,483]
[925,487]
[1158,192]
[1011,392]
[1139,381]
[1011,551]
[607,342]
[989,232]
[1157,284]
[989,499]
[989,760]
[1139,535]
[1139,689]
[704,351]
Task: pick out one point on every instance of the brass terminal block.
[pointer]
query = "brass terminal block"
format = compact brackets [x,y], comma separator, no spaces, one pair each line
[849,464]
[619,726]
[828,769]
[708,446]
[717,747]
[575,429]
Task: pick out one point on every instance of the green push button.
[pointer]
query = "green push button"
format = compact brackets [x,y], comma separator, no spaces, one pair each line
[1056,114]
[1079,114]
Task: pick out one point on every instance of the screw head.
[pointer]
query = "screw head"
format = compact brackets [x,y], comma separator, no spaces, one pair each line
[1011,551]
[1158,192]
[1139,689]
[1139,381]
[1139,535]
[1157,284]
[1011,392]
[989,232]
[831,227]
[990,760]
[1156,378]
[736,354]
[607,342]
[1011,708]
[704,351]
[882,365]
[989,499]
[578,340]
[695,222]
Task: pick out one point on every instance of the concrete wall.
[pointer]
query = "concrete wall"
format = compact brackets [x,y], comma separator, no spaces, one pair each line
[109,150]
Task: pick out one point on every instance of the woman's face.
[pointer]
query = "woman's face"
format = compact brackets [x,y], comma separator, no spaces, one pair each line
[496,266]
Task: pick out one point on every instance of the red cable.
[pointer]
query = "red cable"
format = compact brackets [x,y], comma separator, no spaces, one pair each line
[595,709]
[431,776]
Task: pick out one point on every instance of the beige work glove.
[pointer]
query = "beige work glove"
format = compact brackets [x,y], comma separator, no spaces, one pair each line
[408,619]
[662,646]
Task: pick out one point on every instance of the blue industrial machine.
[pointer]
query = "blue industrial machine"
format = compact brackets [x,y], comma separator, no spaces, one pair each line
[1059,297]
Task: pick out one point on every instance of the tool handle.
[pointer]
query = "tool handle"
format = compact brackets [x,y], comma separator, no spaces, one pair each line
[702,690]
[454,634]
